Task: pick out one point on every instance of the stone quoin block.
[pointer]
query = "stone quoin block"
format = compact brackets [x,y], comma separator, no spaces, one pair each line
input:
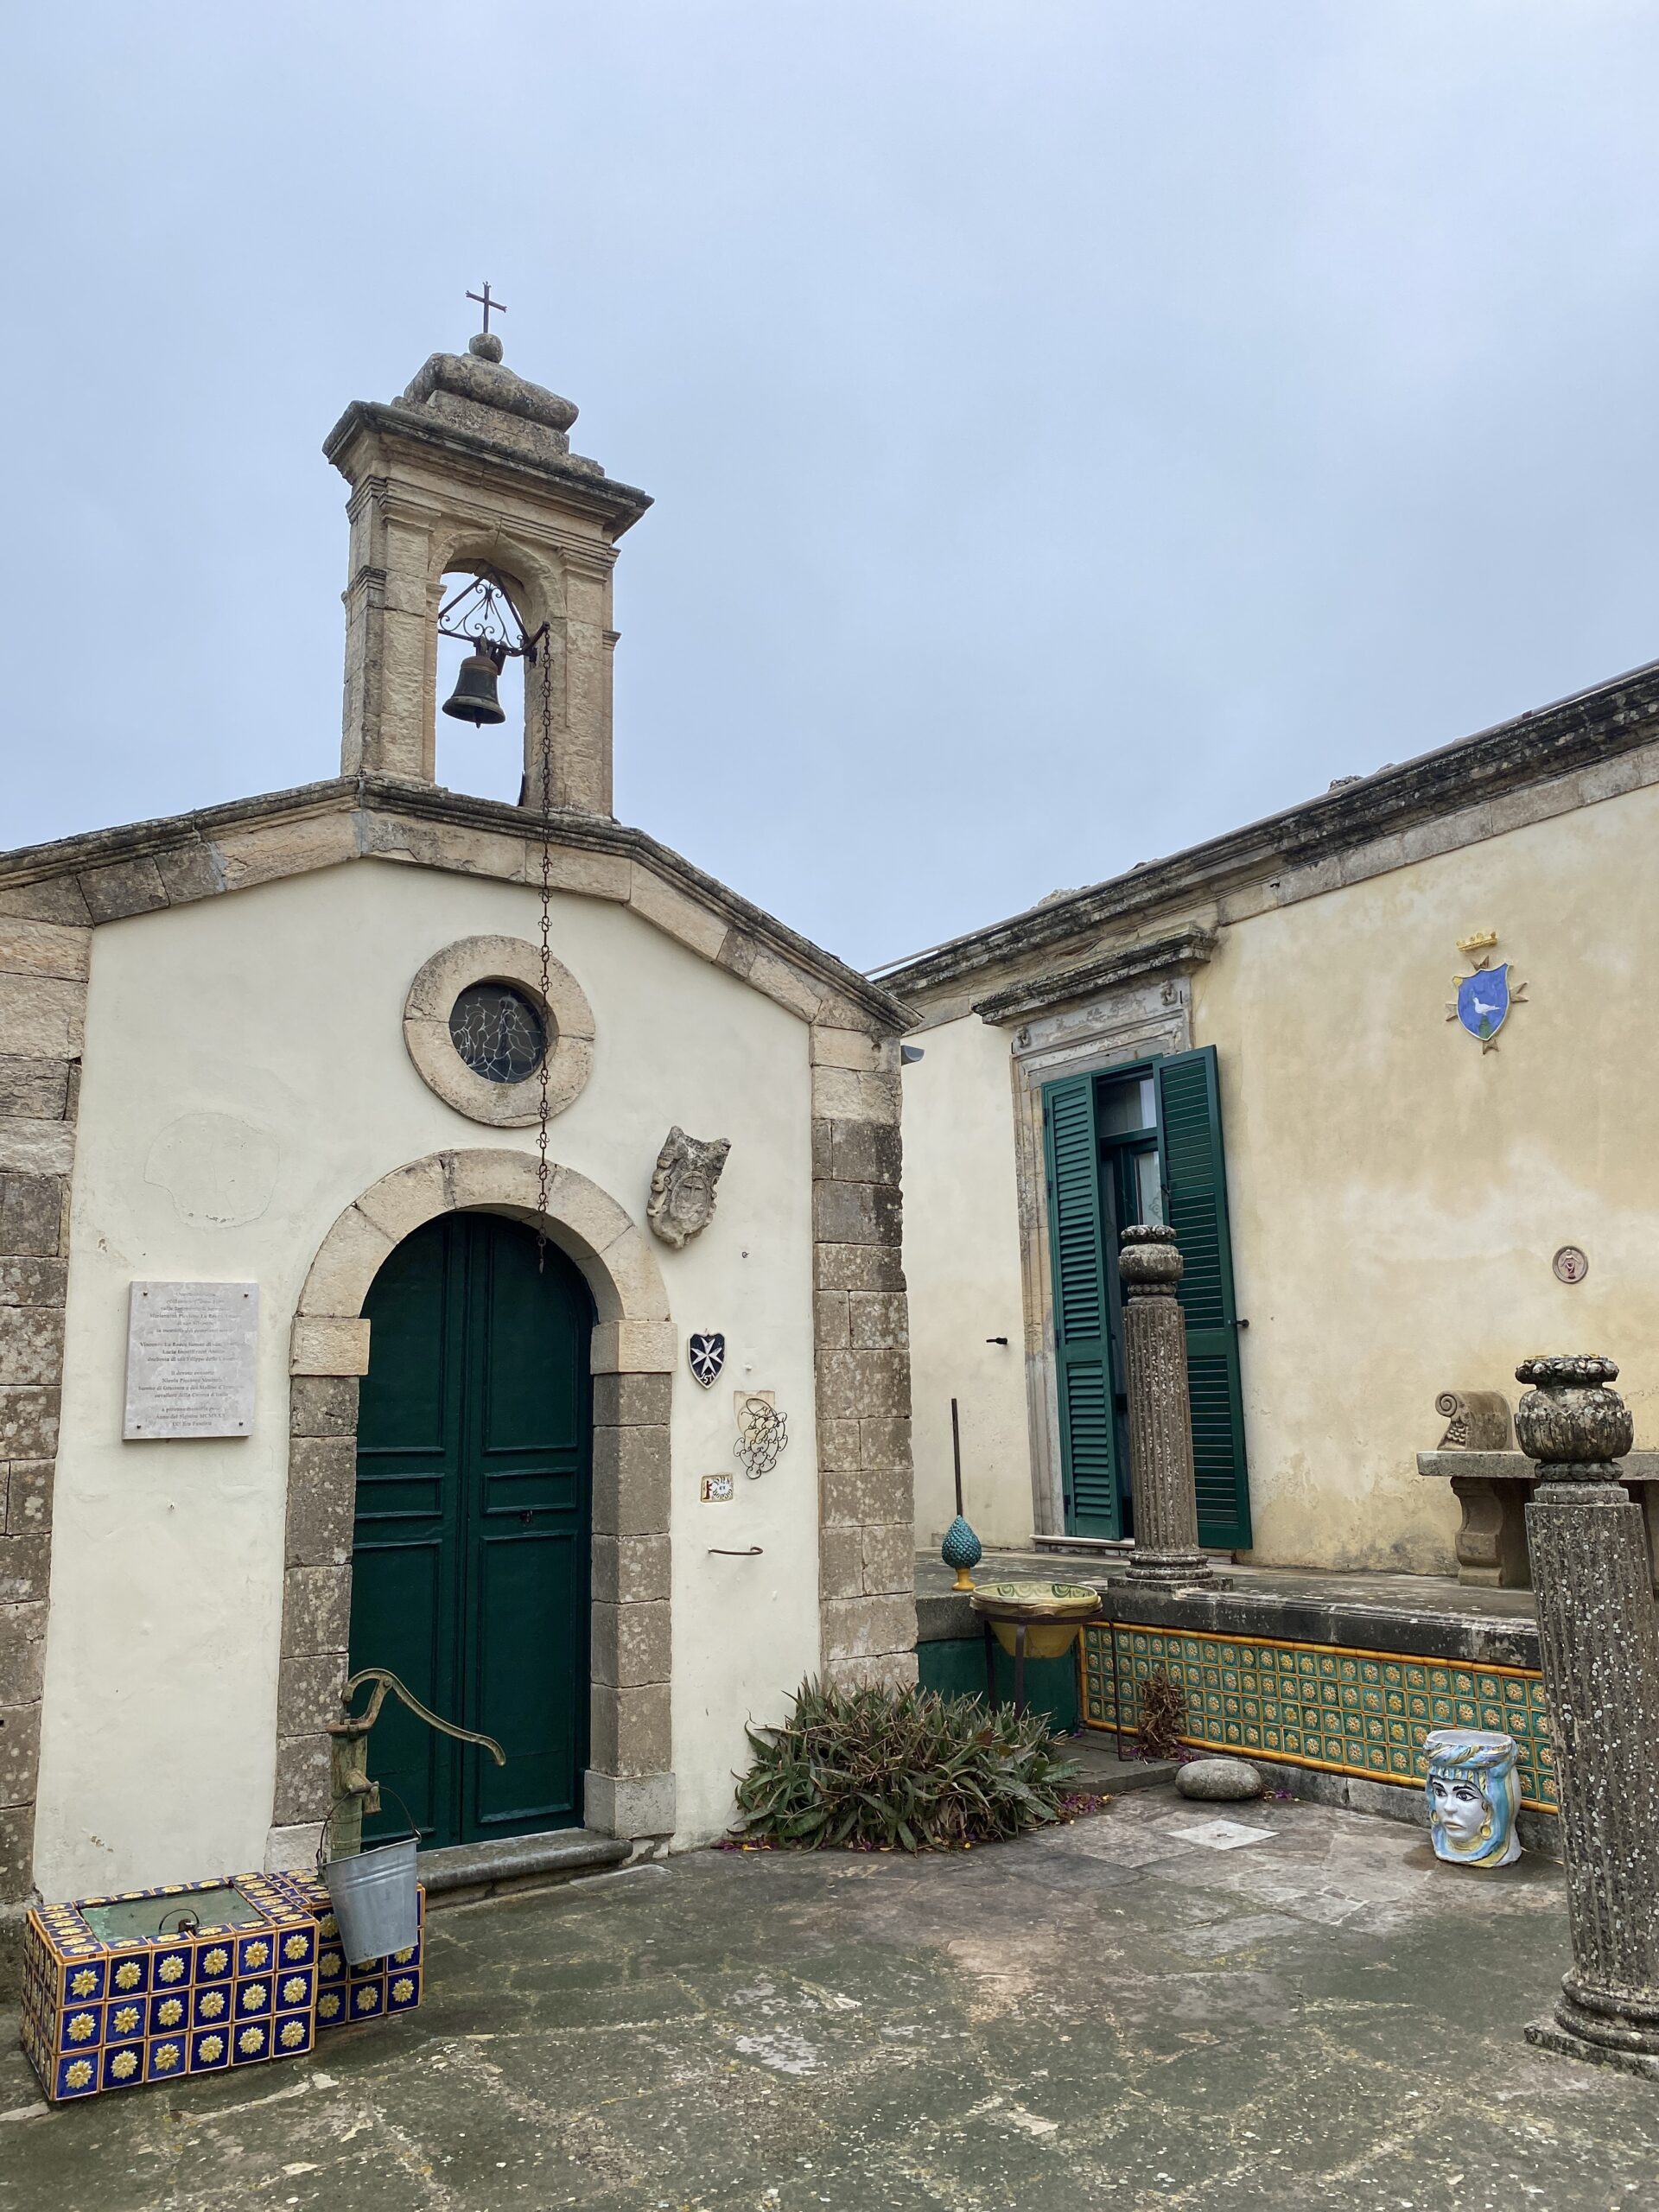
[53,899]
[634,1347]
[317,1610]
[879,1319]
[856,1213]
[838,1445]
[862,1628]
[19,1752]
[23,1654]
[850,1049]
[845,1095]
[850,1497]
[867,1152]
[34,1090]
[17,1849]
[30,1148]
[323,1405]
[632,1401]
[31,1345]
[32,948]
[28,1280]
[631,1729]
[841,1562]
[889,1550]
[642,1805]
[27,1509]
[308,1698]
[858,1267]
[631,1570]
[629,1645]
[831,1324]
[863,1384]
[25,1568]
[328,1345]
[28,1424]
[31,1215]
[322,1501]
[631,1481]
[304,1779]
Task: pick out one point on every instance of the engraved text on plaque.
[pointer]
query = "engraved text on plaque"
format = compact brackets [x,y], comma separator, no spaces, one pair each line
[190,1359]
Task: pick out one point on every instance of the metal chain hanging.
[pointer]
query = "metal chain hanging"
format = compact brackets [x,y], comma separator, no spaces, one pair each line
[543,647]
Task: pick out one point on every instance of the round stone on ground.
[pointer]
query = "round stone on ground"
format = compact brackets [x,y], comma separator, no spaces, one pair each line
[1219,1781]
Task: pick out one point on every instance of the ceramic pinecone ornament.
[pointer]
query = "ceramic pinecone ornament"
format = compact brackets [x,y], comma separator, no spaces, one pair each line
[960,1550]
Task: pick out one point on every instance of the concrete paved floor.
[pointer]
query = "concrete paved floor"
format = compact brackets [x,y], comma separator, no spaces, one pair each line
[1103,2015]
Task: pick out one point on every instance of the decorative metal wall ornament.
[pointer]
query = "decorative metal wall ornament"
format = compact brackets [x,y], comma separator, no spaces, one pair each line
[706,1351]
[681,1202]
[762,1435]
[1486,994]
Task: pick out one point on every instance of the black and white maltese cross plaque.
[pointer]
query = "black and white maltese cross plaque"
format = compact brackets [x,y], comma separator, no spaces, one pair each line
[706,1350]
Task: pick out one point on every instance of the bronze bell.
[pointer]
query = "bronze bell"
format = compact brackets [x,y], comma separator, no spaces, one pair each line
[474,698]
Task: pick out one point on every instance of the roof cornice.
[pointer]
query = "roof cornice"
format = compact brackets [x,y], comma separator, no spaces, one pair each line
[142,865]
[1165,956]
[1538,747]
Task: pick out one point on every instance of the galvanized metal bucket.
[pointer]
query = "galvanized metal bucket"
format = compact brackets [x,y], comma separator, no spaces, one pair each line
[374,1898]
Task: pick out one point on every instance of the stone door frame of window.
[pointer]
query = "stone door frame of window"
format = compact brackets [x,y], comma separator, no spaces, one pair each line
[566,1017]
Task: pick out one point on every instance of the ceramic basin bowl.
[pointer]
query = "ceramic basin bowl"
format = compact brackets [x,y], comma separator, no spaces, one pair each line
[1052,1613]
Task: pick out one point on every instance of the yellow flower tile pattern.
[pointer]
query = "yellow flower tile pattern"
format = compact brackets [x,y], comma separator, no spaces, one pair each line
[1347,1711]
[365,1992]
[105,2015]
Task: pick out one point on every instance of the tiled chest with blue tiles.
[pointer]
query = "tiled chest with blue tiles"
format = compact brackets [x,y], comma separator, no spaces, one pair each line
[194,1978]
[1347,1712]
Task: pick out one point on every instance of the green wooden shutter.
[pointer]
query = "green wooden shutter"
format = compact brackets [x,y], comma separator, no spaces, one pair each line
[1195,1182]
[1082,1339]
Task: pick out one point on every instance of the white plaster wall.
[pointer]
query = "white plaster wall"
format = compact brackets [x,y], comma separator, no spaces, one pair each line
[961,1262]
[279,1010]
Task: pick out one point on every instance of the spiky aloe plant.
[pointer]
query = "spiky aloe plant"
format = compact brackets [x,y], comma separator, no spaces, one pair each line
[880,1768]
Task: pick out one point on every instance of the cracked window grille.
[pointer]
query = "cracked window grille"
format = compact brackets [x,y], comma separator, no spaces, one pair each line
[498,1032]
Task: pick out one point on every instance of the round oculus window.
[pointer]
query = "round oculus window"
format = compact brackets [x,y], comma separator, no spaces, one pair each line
[499,1033]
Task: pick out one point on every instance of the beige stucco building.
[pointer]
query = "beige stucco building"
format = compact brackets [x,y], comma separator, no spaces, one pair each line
[1255,1037]
[242,1049]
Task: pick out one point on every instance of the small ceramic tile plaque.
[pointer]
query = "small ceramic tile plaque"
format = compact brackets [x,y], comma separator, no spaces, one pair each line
[717,1489]
[190,1359]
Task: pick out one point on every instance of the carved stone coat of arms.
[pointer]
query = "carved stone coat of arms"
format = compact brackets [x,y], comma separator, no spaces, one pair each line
[681,1202]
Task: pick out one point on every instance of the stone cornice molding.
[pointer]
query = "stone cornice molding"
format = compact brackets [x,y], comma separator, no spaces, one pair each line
[1545,761]
[581,484]
[141,867]
[1165,956]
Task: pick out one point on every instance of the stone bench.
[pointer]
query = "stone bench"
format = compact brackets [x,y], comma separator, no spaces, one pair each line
[1493,1488]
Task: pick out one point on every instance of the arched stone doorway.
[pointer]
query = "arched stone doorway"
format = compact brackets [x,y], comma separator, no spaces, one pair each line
[629,1785]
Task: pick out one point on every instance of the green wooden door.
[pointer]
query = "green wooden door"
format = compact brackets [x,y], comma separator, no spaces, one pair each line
[470,1553]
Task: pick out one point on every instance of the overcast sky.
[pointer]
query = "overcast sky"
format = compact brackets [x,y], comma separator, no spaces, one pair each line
[1076,427]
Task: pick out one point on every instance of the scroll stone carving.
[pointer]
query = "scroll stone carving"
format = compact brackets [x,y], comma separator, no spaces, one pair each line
[1476,1420]
[681,1202]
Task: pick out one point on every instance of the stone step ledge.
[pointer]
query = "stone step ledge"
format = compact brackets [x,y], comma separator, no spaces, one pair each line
[464,1873]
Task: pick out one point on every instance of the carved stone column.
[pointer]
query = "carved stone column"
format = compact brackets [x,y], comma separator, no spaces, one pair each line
[1166,1549]
[1600,1637]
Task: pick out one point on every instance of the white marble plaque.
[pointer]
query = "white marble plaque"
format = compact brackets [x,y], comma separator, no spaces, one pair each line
[190,1359]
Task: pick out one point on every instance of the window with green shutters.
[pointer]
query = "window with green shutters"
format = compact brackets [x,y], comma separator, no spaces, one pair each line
[1082,1324]
[1082,1205]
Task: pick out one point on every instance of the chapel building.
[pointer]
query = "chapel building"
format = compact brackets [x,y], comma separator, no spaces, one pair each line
[502,1287]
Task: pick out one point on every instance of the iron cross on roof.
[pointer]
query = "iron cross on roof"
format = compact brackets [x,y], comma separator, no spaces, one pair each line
[487,303]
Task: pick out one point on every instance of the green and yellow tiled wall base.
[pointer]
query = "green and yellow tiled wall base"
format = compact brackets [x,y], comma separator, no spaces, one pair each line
[1319,1705]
